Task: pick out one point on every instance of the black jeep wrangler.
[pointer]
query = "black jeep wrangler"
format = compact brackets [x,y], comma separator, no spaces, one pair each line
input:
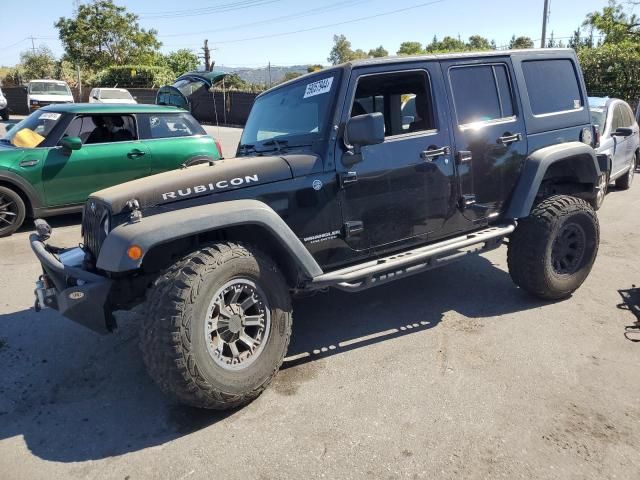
[350,177]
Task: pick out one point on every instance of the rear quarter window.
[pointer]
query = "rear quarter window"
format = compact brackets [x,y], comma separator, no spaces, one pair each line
[552,86]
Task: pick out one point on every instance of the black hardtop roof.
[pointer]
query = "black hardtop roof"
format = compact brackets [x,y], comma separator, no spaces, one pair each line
[530,53]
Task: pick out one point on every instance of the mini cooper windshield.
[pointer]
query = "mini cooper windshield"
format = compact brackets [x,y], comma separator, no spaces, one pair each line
[293,113]
[33,130]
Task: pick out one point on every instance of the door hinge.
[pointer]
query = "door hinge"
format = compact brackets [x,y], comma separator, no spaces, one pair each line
[353,227]
[347,178]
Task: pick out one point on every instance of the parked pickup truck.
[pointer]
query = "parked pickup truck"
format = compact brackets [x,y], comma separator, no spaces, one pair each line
[334,186]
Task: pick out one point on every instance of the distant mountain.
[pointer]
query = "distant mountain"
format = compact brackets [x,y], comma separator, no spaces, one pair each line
[261,75]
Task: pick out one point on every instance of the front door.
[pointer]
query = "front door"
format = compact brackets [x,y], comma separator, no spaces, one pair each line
[403,189]
[489,133]
[111,154]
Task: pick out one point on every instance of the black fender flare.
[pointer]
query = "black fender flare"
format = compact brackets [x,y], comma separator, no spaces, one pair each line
[587,170]
[166,227]
[25,187]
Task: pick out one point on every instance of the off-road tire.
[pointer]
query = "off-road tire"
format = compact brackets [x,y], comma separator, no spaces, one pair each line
[172,332]
[624,182]
[530,255]
[16,213]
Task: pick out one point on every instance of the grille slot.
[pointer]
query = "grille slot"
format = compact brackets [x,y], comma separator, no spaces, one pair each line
[93,217]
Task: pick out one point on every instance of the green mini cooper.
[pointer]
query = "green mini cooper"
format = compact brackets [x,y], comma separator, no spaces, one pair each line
[52,160]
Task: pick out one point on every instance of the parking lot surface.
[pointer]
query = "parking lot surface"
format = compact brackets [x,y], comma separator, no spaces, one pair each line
[454,373]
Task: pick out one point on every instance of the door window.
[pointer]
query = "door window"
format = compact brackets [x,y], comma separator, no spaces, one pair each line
[552,85]
[618,120]
[481,93]
[172,125]
[103,129]
[403,98]
[627,116]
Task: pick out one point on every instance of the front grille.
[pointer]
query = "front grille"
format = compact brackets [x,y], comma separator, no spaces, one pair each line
[94,216]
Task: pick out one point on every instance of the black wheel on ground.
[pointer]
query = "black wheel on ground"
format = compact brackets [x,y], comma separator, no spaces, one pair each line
[5,114]
[552,250]
[12,211]
[601,191]
[624,182]
[217,326]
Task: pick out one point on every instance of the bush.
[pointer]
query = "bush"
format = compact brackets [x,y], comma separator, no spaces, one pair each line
[134,76]
[612,70]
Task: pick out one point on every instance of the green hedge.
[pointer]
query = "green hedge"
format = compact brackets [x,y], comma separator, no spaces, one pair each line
[134,76]
[612,70]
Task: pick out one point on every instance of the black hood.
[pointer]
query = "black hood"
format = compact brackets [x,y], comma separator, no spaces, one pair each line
[221,176]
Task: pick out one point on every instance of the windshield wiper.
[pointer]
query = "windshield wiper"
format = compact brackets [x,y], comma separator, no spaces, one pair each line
[246,148]
[4,140]
[279,145]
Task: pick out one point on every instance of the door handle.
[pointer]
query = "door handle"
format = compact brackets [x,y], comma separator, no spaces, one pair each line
[507,138]
[432,153]
[28,163]
[136,154]
[463,156]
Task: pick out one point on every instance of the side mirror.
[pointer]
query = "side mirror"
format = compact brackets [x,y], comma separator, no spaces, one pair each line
[71,143]
[363,130]
[623,132]
[95,97]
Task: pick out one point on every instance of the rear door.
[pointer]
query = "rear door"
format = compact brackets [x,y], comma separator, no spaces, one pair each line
[111,154]
[403,189]
[489,131]
[175,139]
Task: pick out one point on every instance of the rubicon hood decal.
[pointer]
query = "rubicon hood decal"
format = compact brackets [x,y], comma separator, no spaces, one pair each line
[223,175]
[210,187]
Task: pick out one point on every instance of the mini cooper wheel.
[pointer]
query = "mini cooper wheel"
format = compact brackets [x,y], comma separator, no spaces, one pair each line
[12,211]
[217,326]
[552,250]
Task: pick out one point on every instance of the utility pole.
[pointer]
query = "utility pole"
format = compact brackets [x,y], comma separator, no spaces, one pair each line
[545,19]
[207,56]
[33,45]
[269,68]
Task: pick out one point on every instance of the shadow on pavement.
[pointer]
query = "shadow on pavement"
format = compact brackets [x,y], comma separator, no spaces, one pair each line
[75,396]
[631,302]
[57,221]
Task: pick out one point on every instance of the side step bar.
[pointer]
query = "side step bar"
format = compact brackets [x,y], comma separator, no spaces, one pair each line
[383,270]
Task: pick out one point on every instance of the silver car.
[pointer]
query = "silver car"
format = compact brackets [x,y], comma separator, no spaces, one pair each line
[619,141]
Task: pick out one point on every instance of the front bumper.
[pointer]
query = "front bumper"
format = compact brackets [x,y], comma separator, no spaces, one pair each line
[78,294]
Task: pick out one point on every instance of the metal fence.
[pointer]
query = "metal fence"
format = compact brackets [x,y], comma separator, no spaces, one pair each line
[230,108]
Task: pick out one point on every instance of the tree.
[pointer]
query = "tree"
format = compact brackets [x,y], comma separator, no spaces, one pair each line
[410,48]
[359,54]
[290,76]
[614,23]
[38,64]
[102,34]
[520,42]
[181,61]
[378,52]
[448,44]
[476,42]
[341,51]
[314,68]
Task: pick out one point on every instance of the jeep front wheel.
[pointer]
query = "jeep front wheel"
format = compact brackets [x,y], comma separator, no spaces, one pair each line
[552,250]
[217,327]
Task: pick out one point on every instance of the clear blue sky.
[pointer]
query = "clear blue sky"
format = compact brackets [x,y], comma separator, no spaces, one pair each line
[236,33]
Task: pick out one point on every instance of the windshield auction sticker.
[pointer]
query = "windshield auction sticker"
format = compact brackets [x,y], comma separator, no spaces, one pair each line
[50,116]
[318,88]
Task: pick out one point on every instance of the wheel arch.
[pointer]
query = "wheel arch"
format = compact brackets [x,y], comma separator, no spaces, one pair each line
[248,221]
[572,164]
[26,191]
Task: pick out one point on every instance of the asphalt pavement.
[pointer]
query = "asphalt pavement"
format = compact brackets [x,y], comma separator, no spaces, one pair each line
[454,373]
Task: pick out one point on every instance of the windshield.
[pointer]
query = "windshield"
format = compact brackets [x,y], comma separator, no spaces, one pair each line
[115,95]
[33,130]
[296,110]
[598,117]
[48,88]
[187,86]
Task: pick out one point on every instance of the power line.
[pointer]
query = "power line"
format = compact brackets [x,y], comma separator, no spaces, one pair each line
[307,13]
[360,19]
[227,7]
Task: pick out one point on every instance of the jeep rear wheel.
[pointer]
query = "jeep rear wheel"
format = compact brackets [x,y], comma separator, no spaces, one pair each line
[217,327]
[552,250]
